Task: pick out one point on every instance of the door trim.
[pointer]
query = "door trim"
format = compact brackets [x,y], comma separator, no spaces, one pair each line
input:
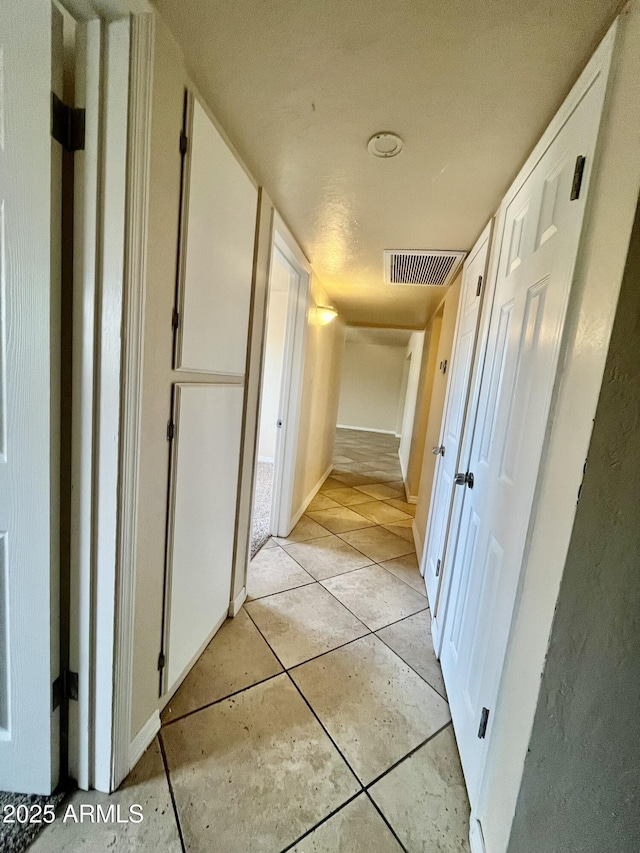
[103,572]
[134,286]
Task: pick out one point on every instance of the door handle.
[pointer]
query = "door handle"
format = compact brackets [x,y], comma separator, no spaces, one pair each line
[464,479]
[438,450]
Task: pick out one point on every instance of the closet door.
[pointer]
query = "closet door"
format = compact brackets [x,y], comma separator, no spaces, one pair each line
[463,357]
[218,226]
[205,470]
[539,244]
[217,238]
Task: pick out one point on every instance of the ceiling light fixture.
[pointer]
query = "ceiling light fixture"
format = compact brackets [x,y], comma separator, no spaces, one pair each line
[385,144]
[325,315]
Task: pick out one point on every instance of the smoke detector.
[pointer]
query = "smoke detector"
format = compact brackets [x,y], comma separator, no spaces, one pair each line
[384,144]
[424,267]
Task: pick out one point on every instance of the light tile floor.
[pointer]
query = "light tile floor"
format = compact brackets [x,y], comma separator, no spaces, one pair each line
[316,721]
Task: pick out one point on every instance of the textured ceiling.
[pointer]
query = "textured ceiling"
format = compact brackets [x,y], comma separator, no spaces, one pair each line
[300,86]
[387,337]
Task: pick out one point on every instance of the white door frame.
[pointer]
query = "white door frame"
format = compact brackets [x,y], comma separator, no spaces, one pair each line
[117,38]
[284,244]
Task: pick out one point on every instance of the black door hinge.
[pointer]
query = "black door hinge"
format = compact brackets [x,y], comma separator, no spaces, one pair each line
[484,719]
[479,287]
[67,124]
[171,430]
[64,687]
[175,319]
[578,173]
[184,142]
[443,366]
[161,661]
[438,565]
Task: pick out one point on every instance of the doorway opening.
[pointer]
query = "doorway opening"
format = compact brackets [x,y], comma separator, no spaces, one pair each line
[280,394]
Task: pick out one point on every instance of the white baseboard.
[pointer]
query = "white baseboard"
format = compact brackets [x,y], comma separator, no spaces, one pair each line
[238,601]
[417,540]
[366,429]
[476,839]
[305,503]
[142,740]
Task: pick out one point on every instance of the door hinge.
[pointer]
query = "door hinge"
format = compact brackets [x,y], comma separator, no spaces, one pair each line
[438,565]
[479,287]
[484,719]
[161,661]
[171,430]
[578,173]
[184,142]
[64,687]
[443,366]
[175,319]
[67,124]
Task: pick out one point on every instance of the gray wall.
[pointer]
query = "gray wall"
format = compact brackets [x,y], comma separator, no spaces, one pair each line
[581,782]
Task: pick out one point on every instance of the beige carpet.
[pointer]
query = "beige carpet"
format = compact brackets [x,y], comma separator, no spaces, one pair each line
[261,506]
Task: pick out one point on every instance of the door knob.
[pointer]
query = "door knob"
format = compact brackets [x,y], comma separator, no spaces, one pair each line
[438,450]
[464,480]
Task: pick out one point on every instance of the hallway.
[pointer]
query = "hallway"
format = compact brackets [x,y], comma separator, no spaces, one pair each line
[315,720]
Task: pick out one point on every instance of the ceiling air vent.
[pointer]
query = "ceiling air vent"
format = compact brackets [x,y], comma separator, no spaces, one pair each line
[422,267]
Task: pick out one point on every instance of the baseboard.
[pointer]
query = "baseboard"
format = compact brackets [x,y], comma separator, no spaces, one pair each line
[476,838]
[403,472]
[366,429]
[305,503]
[417,540]
[236,604]
[142,740]
[268,459]
[412,499]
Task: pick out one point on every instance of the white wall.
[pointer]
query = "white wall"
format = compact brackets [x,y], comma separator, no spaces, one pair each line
[414,352]
[273,360]
[319,406]
[371,380]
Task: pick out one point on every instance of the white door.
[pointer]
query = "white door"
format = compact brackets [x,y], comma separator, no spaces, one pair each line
[29,389]
[456,406]
[219,210]
[208,425]
[537,255]
[291,389]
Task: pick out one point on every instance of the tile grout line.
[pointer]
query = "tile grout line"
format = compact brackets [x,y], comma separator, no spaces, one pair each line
[384,818]
[363,788]
[426,681]
[223,698]
[320,723]
[339,536]
[324,820]
[408,755]
[171,792]
[369,632]
[324,729]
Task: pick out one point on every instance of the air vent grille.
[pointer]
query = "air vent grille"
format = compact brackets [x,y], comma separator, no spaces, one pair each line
[426,268]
